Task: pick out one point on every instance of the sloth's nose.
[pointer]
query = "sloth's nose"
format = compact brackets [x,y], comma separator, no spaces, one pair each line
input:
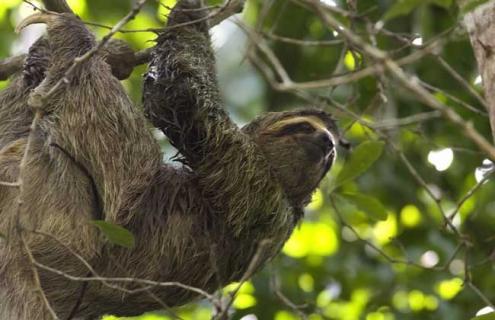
[325,141]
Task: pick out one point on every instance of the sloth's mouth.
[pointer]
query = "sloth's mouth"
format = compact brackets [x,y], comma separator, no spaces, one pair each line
[331,156]
[325,149]
[328,151]
[321,152]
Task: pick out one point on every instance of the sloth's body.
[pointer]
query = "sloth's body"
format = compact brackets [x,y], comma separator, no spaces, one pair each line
[93,158]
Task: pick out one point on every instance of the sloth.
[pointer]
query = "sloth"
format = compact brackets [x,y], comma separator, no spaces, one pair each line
[234,201]
[15,117]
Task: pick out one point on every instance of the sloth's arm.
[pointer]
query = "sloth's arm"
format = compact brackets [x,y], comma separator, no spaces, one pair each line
[15,116]
[181,98]
[181,95]
[91,118]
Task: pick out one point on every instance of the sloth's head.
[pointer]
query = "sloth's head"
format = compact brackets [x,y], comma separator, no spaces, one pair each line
[300,147]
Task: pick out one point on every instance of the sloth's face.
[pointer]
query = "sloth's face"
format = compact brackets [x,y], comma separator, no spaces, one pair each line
[301,149]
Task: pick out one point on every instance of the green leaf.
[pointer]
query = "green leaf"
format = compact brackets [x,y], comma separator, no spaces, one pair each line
[2,236]
[488,316]
[116,234]
[368,204]
[349,210]
[402,8]
[360,160]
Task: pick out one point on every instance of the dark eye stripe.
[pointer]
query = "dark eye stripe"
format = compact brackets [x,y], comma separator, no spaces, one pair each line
[300,127]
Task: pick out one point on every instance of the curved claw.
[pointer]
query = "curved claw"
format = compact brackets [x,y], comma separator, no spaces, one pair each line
[44,17]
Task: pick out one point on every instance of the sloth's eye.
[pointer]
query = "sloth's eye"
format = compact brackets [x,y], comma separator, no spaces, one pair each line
[305,128]
[301,127]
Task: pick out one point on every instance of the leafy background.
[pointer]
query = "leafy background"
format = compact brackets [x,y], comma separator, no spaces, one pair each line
[372,236]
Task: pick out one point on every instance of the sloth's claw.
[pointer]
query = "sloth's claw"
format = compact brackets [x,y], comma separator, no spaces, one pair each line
[44,17]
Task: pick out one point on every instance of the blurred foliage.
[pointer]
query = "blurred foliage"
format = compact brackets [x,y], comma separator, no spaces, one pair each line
[326,267]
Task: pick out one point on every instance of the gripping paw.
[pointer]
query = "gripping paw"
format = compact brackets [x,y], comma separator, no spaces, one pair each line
[44,17]
[186,11]
[67,35]
[56,23]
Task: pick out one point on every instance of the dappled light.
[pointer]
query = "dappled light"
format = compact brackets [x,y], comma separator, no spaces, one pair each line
[448,289]
[410,216]
[318,239]
[441,159]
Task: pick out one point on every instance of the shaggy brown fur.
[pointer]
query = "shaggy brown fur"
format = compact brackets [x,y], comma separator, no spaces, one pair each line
[200,224]
[15,117]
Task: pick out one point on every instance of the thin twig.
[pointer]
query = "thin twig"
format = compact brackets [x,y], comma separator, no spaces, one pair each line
[282,81]
[11,65]
[461,80]
[85,57]
[381,57]
[36,278]
[252,267]
[454,98]
[385,255]
[275,287]
[406,121]
[468,195]
[316,43]
[149,283]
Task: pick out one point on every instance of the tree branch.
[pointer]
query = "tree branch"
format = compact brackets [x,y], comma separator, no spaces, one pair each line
[480,24]
[36,278]
[228,9]
[10,66]
[57,6]
[407,81]
[121,61]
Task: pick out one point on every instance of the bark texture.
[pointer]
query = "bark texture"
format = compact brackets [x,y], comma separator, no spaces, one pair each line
[480,23]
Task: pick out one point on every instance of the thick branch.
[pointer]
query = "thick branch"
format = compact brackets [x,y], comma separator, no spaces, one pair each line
[121,61]
[57,5]
[480,23]
[227,10]
[10,66]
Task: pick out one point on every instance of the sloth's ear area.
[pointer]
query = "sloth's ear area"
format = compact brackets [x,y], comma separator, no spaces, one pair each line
[44,17]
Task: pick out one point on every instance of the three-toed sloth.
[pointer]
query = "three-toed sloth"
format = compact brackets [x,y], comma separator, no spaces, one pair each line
[91,156]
